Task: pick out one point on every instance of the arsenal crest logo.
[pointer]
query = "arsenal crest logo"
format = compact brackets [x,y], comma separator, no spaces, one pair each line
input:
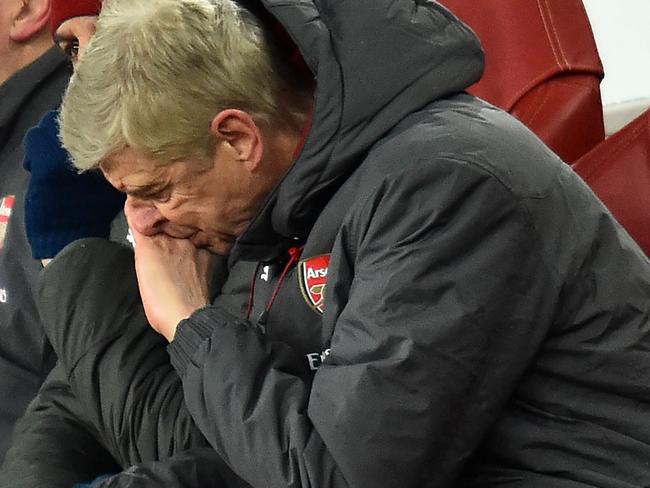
[312,274]
[6,204]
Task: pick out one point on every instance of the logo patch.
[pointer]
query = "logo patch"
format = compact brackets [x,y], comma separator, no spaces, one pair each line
[6,204]
[312,274]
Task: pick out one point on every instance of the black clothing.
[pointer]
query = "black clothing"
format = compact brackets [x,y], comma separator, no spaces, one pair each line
[484,320]
[25,355]
[107,353]
[55,413]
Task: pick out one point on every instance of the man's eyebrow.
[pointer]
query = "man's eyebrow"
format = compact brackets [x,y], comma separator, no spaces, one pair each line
[59,38]
[144,190]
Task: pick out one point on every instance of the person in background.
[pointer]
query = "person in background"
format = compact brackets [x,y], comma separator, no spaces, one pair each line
[436,299]
[33,75]
[62,205]
[73,25]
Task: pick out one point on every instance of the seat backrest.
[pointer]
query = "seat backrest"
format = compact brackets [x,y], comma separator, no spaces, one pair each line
[541,65]
[618,171]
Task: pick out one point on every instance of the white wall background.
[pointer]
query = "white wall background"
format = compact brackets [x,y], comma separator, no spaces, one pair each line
[622,32]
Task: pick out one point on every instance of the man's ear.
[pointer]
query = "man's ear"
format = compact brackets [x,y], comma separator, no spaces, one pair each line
[32,17]
[238,129]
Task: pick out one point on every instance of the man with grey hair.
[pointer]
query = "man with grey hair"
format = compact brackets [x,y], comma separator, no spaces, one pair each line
[435,297]
[33,75]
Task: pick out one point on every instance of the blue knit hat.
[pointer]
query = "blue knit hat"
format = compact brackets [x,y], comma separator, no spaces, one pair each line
[62,205]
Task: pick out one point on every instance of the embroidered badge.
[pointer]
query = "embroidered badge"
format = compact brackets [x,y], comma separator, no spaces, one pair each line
[312,274]
[6,204]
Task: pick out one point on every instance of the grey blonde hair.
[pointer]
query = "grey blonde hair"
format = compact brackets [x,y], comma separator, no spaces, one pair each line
[156,73]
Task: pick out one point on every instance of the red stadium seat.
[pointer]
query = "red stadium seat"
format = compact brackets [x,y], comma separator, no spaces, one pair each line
[541,65]
[618,170]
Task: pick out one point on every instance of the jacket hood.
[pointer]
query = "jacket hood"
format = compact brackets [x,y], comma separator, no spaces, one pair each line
[375,61]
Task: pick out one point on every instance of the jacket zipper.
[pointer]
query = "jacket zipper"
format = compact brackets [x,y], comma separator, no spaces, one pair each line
[294,257]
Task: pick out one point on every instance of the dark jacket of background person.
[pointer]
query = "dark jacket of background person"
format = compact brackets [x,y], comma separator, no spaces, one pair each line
[485,319]
[25,355]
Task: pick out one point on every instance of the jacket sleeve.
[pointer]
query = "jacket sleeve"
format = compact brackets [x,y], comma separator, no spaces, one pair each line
[53,445]
[193,468]
[447,303]
[117,366]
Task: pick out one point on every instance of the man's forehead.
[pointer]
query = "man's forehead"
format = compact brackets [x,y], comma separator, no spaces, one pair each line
[129,164]
[124,159]
[84,25]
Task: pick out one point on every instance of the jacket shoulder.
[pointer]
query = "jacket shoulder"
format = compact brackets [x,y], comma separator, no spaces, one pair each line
[466,134]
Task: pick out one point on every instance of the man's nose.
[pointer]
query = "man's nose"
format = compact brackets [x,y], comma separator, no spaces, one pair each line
[143,216]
